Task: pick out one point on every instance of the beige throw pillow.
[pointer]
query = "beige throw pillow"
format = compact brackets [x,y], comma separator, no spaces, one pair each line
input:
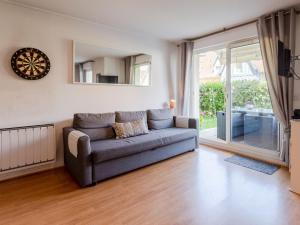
[129,129]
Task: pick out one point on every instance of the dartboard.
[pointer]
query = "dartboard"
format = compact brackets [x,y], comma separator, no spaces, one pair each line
[30,63]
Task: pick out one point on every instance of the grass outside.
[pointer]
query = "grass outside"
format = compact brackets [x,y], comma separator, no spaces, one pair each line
[207,122]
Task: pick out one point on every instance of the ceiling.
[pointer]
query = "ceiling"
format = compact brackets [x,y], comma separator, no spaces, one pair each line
[84,52]
[167,19]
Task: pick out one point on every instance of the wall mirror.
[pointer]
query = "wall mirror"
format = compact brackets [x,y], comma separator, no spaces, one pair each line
[98,65]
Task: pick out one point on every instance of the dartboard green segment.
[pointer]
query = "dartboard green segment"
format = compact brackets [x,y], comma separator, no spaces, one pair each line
[30,63]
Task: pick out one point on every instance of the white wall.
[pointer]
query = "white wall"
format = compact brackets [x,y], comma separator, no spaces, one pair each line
[109,66]
[54,98]
[224,38]
[115,66]
[98,67]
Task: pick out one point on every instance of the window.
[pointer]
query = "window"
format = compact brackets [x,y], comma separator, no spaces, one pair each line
[88,72]
[142,74]
[88,76]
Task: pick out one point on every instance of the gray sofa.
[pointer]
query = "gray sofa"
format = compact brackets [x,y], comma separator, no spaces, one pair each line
[100,155]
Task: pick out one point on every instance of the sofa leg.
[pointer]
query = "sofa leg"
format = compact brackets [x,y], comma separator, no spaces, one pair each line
[93,184]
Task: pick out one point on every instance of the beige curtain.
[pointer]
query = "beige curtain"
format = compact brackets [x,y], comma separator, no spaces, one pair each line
[188,98]
[278,26]
[129,70]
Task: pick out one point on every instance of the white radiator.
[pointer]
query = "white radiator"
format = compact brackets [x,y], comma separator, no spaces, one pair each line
[22,147]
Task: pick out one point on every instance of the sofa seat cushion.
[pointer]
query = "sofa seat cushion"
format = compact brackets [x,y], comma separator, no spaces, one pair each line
[104,150]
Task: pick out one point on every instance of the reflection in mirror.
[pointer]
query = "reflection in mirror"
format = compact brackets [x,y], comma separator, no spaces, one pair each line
[102,65]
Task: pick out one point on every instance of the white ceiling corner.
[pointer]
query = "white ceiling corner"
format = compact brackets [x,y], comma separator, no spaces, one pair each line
[172,20]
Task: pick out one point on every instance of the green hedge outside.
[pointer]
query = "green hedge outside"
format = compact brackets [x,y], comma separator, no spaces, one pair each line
[254,92]
[212,97]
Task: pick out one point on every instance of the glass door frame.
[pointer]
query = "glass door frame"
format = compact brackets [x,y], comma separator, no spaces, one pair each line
[228,144]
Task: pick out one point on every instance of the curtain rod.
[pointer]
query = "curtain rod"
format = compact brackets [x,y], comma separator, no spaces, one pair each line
[231,28]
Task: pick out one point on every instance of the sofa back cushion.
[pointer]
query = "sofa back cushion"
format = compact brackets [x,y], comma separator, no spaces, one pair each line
[96,126]
[123,117]
[160,118]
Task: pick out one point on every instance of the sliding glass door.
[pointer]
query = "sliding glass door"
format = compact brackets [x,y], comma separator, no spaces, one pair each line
[252,120]
[211,70]
[235,105]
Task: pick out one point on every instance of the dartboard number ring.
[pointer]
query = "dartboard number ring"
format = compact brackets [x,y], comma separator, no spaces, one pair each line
[30,63]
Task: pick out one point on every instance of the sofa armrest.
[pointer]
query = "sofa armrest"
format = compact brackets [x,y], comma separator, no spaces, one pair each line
[79,164]
[83,144]
[186,122]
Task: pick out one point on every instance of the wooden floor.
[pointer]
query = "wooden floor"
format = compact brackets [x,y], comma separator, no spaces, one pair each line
[194,188]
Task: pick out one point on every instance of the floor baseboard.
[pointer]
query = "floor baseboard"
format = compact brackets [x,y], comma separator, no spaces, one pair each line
[244,153]
[30,170]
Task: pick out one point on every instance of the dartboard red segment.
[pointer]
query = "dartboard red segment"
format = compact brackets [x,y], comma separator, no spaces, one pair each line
[30,63]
